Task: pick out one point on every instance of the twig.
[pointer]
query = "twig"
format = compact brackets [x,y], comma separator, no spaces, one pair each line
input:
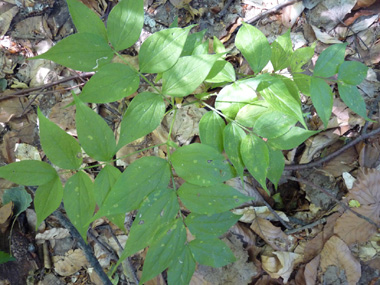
[25,92]
[105,247]
[271,10]
[334,154]
[312,225]
[325,191]
[85,247]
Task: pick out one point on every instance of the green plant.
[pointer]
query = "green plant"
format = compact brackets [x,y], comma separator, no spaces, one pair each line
[264,106]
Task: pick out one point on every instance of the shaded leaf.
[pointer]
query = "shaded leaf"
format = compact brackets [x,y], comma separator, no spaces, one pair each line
[248,115]
[291,139]
[20,198]
[82,51]
[222,71]
[329,60]
[276,165]
[353,99]
[143,116]
[182,268]
[201,165]
[5,257]
[192,41]
[300,57]
[211,128]
[61,148]
[211,252]
[111,83]
[352,72]
[282,50]
[322,98]
[232,137]
[273,124]
[212,199]
[104,182]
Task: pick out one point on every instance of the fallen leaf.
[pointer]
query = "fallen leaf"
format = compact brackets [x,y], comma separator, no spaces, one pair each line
[281,265]
[70,263]
[13,107]
[7,12]
[324,37]
[336,253]
[54,233]
[311,270]
[250,213]
[5,216]
[366,190]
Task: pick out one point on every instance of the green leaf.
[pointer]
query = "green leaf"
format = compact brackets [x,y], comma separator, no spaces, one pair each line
[218,45]
[211,252]
[201,49]
[104,182]
[28,172]
[20,198]
[47,199]
[192,41]
[273,124]
[301,57]
[86,20]
[61,148]
[322,98]
[254,46]
[111,83]
[210,225]
[82,51]
[222,71]
[182,268]
[248,115]
[162,49]
[209,200]
[291,139]
[96,138]
[276,93]
[255,154]
[232,137]
[187,74]
[290,85]
[143,116]
[282,50]
[201,165]
[158,209]
[233,97]
[353,99]
[276,165]
[303,82]
[167,247]
[125,23]
[5,257]
[329,60]
[79,201]
[137,181]
[352,72]
[211,130]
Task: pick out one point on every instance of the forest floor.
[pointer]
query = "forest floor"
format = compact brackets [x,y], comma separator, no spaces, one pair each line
[314,239]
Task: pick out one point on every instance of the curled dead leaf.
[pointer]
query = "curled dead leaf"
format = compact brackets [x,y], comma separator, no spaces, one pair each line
[70,263]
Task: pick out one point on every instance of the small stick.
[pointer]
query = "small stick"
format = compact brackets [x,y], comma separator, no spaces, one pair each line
[312,225]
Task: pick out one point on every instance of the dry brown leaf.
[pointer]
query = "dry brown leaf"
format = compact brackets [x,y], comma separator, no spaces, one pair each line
[250,213]
[311,270]
[363,3]
[366,191]
[336,253]
[54,233]
[72,262]
[7,12]
[274,236]
[64,116]
[291,13]
[281,265]
[13,107]
[5,216]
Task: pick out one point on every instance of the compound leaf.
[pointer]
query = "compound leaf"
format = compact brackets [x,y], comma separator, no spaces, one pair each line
[254,46]
[95,136]
[47,199]
[28,172]
[86,20]
[162,49]
[352,72]
[329,60]
[61,148]
[158,209]
[322,97]
[255,154]
[143,115]
[82,51]
[187,74]
[79,201]
[211,128]
[291,139]
[137,181]
[182,268]
[125,23]
[211,252]
[281,51]
[209,200]
[232,137]
[111,83]
[353,99]
[201,165]
[210,225]
[168,245]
